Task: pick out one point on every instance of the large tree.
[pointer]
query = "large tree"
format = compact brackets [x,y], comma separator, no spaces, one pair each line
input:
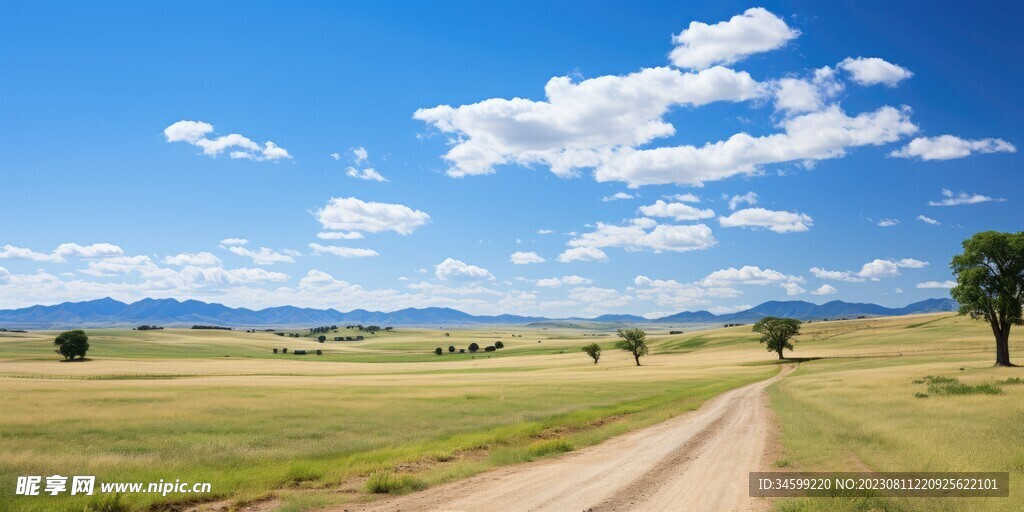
[776,333]
[71,344]
[633,341]
[990,284]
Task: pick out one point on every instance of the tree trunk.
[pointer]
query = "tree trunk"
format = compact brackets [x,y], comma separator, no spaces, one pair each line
[780,355]
[637,359]
[1002,345]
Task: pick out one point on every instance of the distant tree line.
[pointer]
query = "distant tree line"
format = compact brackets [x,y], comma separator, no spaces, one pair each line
[217,327]
[323,329]
[12,330]
[149,328]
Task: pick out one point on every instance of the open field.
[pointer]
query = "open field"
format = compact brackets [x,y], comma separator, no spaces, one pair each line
[303,432]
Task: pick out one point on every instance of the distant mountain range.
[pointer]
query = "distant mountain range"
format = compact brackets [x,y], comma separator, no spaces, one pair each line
[171,313]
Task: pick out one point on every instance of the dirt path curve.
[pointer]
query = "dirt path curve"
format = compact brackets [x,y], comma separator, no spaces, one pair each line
[697,461]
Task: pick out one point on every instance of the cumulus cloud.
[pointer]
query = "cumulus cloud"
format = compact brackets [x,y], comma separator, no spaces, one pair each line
[617,196]
[748,198]
[939,285]
[874,270]
[354,215]
[606,297]
[951,199]
[234,241]
[677,211]
[263,255]
[62,252]
[5,276]
[544,231]
[554,282]
[753,275]
[579,121]
[525,258]
[888,223]
[685,198]
[872,71]
[947,147]
[645,234]
[755,31]
[344,252]
[826,134]
[366,173]
[339,235]
[238,146]
[583,254]
[801,95]
[360,155]
[928,220]
[825,289]
[777,221]
[197,259]
[455,270]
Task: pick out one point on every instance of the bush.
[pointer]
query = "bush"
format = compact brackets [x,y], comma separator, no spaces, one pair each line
[321,339]
[451,348]
[438,351]
[382,482]
[498,344]
[473,347]
[490,348]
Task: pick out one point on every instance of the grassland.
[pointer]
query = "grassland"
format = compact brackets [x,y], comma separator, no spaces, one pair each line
[387,414]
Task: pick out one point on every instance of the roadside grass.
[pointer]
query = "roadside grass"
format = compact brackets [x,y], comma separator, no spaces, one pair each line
[862,414]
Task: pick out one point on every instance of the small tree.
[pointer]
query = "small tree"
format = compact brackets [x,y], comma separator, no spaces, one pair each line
[321,339]
[593,350]
[990,284]
[473,347]
[451,348]
[633,341]
[438,351]
[776,333]
[72,344]
[498,344]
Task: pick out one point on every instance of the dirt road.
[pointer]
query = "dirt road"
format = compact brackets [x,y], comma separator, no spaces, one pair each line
[697,461]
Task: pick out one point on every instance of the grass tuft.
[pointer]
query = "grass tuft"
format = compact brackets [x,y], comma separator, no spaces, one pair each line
[385,482]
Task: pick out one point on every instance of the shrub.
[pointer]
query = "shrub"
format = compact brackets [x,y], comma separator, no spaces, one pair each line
[382,482]
[321,339]
[473,347]
[498,344]
[438,351]
[451,348]
[490,348]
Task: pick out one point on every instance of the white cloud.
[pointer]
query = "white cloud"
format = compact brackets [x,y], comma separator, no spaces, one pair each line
[262,256]
[685,198]
[117,265]
[344,252]
[792,288]
[872,71]
[234,241]
[928,285]
[928,220]
[777,221]
[951,199]
[544,231]
[197,259]
[753,275]
[5,276]
[583,254]
[880,268]
[888,223]
[579,121]
[367,173]
[525,258]
[678,211]
[825,289]
[616,196]
[815,136]
[836,275]
[947,147]
[798,95]
[62,252]
[195,133]
[454,270]
[351,214]
[643,233]
[336,156]
[339,235]
[554,282]
[607,297]
[755,31]
[671,293]
[360,155]
[748,198]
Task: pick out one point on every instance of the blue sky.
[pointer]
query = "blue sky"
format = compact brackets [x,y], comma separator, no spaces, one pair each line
[833,116]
